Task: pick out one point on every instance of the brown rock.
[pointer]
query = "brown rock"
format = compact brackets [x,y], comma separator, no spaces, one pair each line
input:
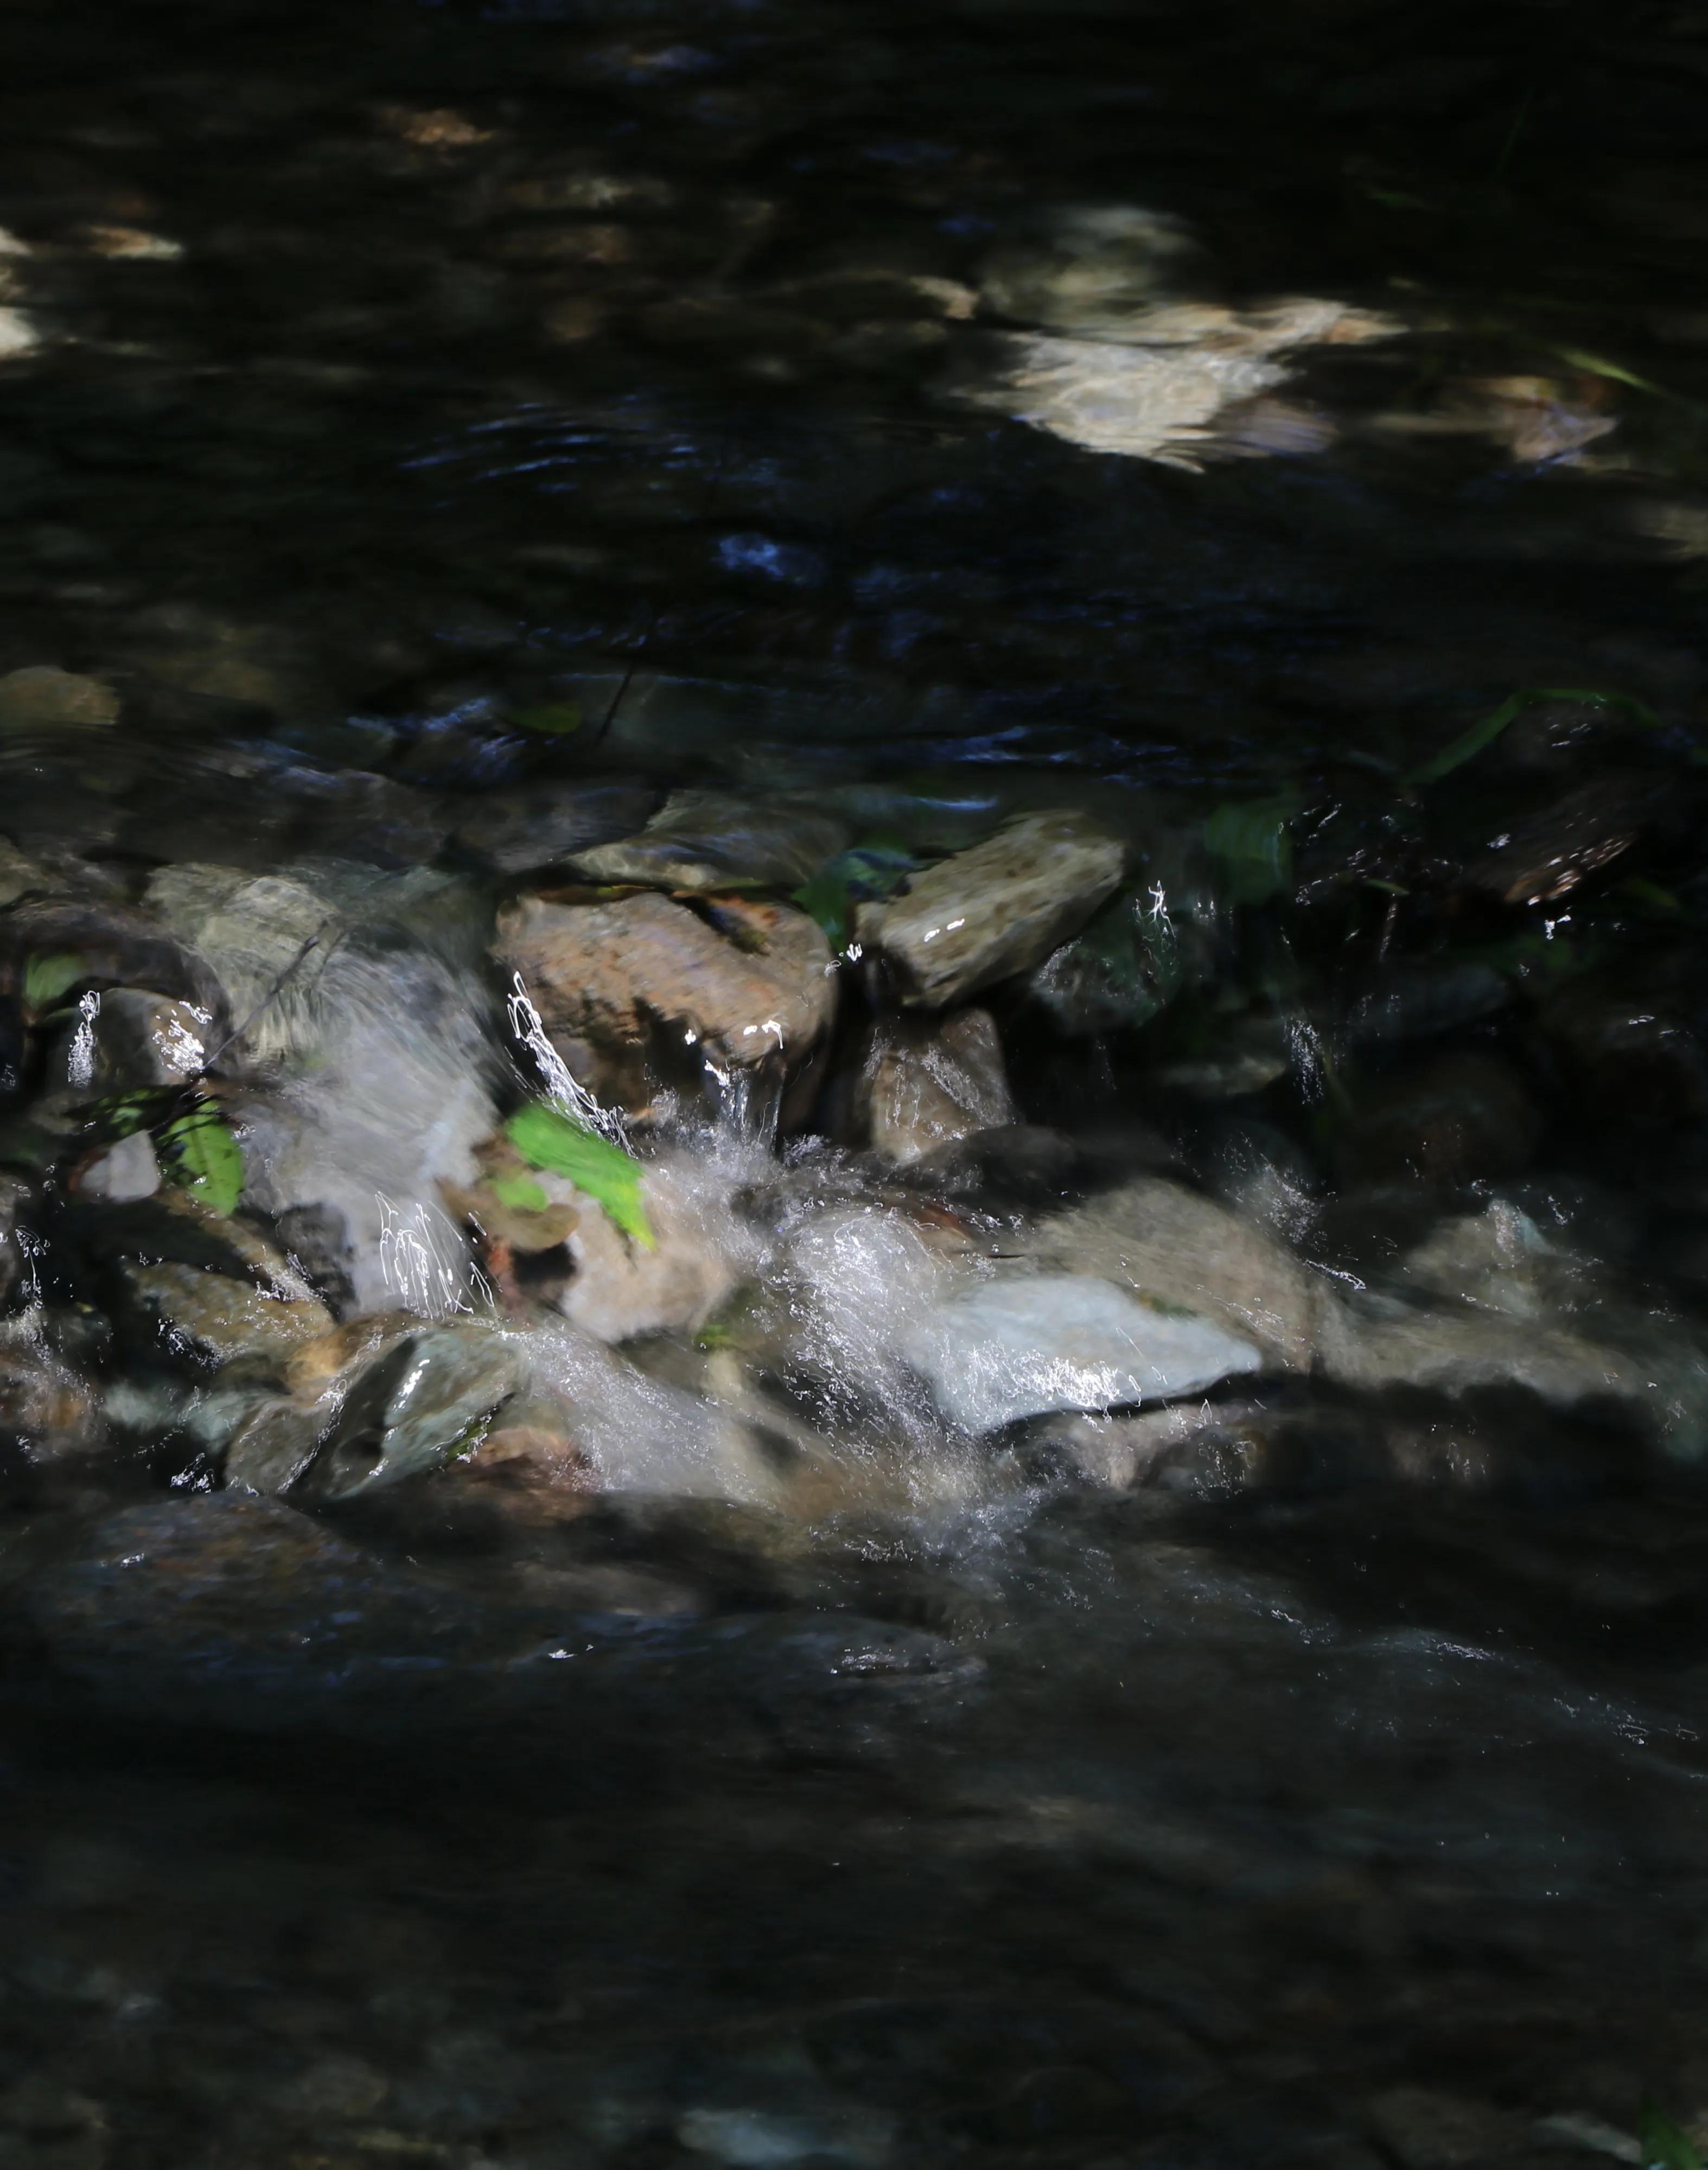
[642,991]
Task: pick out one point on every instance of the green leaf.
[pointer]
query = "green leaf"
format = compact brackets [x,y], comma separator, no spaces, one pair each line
[46,978]
[1664,2145]
[547,1138]
[204,1159]
[126,1112]
[1486,731]
[521,1193]
[1254,845]
[555,720]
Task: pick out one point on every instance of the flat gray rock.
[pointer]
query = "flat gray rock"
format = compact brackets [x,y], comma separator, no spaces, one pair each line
[997,910]
[1046,1342]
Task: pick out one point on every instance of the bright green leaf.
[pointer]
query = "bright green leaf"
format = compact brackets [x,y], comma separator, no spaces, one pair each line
[204,1159]
[46,978]
[555,720]
[521,1193]
[1664,2145]
[547,1138]
[1488,728]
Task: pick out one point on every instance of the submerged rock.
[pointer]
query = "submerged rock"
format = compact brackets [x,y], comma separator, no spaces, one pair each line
[1025,1347]
[1459,1119]
[1173,1247]
[704,840]
[644,990]
[41,699]
[1622,1363]
[930,1082]
[996,910]
[222,1604]
[515,830]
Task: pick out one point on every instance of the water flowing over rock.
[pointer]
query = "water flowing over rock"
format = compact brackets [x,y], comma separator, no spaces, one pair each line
[417,1406]
[996,910]
[930,1082]
[1027,1346]
[704,840]
[701,1249]
[1174,1246]
[644,990]
[131,1040]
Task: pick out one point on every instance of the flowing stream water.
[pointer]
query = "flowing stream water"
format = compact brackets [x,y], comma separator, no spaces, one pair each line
[800,1694]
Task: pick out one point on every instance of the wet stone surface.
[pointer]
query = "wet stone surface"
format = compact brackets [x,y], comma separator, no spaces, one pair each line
[853,1053]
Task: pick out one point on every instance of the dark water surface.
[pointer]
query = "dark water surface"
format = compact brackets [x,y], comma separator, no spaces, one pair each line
[410,412]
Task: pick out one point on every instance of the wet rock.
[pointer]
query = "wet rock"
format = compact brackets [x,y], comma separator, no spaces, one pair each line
[996,910]
[931,1081]
[41,699]
[1461,1119]
[1116,1452]
[20,876]
[113,948]
[1115,976]
[426,1402]
[643,988]
[1157,388]
[514,831]
[388,1099]
[1174,1247]
[130,1040]
[124,1174]
[1023,1347]
[209,1320]
[850,2136]
[1432,2131]
[1622,1364]
[278,1438]
[621,1289]
[46,1412]
[1246,1055]
[174,1225]
[1024,1161]
[275,1444]
[1549,854]
[1631,1055]
[704,840]
[45,2125]
[1416,1001]
[253,931]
